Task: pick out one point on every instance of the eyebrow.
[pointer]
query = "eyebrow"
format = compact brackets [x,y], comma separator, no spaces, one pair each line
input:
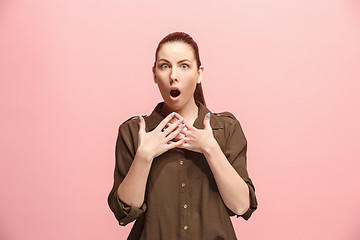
[178,61]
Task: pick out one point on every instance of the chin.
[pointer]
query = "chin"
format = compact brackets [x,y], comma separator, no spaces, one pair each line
[174,105]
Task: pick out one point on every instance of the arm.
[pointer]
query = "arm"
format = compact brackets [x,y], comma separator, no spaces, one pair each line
[228,167]
[132,167]
[151,145]
[233,189]
[132,188]
[235,152]
[124,155]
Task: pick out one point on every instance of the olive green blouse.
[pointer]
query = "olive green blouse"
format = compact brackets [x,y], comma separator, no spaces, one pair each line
[182,200]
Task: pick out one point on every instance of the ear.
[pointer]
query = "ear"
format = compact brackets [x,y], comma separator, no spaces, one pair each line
[200,73]
[154,75]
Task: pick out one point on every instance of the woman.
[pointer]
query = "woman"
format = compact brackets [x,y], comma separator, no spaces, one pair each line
[181,171]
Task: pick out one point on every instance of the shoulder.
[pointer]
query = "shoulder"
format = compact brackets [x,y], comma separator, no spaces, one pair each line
[226,115]
[130,124]
[130,120]
[229,122]
[225,118]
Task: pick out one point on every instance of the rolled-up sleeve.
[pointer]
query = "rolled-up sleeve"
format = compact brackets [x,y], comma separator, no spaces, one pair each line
[236,147]
[124,155]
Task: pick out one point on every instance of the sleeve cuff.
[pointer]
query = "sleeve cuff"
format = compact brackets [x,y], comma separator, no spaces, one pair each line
[253,204]
[130,213]
[252,208]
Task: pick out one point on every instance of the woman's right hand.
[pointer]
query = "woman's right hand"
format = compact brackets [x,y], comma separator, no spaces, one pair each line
[156,142]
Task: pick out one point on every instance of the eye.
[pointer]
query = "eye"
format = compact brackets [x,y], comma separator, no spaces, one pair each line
[185,66]
[164,66]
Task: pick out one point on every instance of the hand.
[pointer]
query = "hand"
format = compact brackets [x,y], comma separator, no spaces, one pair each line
[156,142]
[198,140]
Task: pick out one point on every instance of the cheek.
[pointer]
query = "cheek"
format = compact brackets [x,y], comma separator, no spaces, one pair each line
[190,87]
[160,79]
[193,80]
[194,76]
[162,86]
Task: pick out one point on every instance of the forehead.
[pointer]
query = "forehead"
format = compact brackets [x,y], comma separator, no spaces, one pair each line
[175,51]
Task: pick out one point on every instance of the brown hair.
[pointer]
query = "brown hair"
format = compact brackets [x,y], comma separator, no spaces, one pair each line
[185,38]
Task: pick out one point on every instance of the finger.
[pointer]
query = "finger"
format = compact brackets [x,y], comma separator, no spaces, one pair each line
[182,143]
[166,126]
[180,136]
[207,121]
[177,137]
[186,132]
[172,144]
[164,121]
[174,133]
[187,124]
[173,126]
[141,124]
[178,116]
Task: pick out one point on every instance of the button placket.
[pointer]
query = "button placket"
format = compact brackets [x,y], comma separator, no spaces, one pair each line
[184,198]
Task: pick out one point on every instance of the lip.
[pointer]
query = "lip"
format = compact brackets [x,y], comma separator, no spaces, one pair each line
[174,98]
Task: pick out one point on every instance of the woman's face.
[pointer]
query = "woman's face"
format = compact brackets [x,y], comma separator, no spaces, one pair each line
[176,74]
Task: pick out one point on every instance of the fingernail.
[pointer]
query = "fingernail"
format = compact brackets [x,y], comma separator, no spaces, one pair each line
[208,115]
[183,125]
[139,118]
[172,114]
[183,139]
[181,120]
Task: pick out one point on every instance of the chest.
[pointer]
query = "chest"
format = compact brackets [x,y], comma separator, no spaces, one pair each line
[175,168]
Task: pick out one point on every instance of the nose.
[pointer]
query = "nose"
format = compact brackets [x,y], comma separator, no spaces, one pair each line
[173,74]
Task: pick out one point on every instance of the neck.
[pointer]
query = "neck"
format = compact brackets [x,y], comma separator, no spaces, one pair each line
[189,112]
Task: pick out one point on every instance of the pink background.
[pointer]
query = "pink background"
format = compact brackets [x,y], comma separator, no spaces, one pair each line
[72,71]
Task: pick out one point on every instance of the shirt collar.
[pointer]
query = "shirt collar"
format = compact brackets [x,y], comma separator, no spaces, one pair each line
[156,117]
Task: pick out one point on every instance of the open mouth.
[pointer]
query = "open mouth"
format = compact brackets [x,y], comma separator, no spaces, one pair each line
[175,92]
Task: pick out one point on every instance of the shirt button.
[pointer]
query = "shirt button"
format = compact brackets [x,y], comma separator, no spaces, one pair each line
[183,184]
[185,227]
[181,162]
[185,206]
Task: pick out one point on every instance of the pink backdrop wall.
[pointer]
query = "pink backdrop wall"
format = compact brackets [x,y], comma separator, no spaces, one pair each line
[72,71]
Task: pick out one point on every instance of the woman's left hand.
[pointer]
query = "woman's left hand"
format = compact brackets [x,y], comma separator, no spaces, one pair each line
[198,140]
